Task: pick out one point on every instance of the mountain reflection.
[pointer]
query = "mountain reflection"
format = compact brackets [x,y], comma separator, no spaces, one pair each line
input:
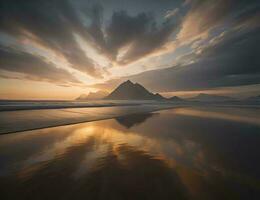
[153,156]
[132,120]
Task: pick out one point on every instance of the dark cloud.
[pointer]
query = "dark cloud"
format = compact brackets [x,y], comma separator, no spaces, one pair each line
[50,23]
[143,34]
[124,29]
[140,32]
[54,23]
[33,67]
[149,41]
[95,13]
[231,61]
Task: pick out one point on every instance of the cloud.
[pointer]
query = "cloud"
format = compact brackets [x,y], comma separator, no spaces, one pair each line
[51,24]
[171,13]
[95,14]
[130,38]
[140,34]
[125,29]
[232,59]
[33,67]
[203,17]
[221,34]
[186,2]
[148,42]
[55,24]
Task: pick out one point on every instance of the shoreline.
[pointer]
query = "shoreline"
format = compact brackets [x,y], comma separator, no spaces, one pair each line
[55,122]
[28,120]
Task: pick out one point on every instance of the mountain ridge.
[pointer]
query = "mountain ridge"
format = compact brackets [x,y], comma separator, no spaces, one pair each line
[176,98]
[132,91]
[203,97]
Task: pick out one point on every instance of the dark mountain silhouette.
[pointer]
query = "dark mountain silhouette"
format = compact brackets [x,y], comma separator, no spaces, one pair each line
[132,91]
[93,96]
[175,98]
[211,98]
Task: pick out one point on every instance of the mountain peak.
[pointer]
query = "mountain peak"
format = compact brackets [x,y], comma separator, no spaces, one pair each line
[176,98]
[128,82]
[132,91]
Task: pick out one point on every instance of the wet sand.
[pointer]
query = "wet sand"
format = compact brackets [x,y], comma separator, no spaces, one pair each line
[181,153]
[22,120]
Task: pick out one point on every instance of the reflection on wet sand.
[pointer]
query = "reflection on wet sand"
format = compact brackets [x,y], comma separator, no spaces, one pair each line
[163,155]
[219,115]
[132,120]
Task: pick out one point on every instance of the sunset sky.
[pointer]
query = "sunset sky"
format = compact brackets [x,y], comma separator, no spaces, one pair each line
[59,49]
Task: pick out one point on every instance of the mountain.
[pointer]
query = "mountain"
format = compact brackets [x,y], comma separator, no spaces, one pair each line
[93,96]
[157,96]
[211,98]
[175,98]
[132,91]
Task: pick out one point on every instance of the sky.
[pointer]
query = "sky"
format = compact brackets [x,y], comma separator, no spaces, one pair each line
[60,49]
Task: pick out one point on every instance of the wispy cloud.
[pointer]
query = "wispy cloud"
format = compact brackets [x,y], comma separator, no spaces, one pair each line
[171,13]
[213,42]
[49,23]
[229,58]
[33,67]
